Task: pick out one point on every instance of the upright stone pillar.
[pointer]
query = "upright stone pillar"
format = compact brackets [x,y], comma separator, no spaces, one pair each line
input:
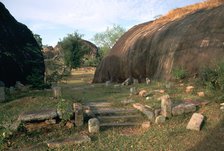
[78,111]
[166,106]
[93,125]
[56,92]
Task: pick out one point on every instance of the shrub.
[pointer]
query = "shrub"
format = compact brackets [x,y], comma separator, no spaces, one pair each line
[36,80]
[63,108]
[213,78]
[179,73]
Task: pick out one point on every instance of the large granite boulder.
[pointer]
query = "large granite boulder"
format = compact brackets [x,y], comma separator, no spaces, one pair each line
[20,56]
[188,38]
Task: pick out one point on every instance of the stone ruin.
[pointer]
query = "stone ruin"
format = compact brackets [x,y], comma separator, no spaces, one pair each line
[103,114]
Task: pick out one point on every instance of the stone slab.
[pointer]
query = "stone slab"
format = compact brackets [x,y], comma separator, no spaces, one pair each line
[195,122]
[146,111]
[38,115]
[120,124]
[69,141]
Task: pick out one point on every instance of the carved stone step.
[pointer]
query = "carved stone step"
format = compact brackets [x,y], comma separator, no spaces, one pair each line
[69,141]
[120,124]
[98,104]
[118,117]
[113,111]
[38,115]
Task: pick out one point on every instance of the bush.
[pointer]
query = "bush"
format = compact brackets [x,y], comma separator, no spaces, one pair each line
[179,73]
[213,78]
[63,108]
[91,62]
[36,80]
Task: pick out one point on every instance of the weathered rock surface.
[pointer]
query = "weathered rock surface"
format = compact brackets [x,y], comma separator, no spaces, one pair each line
[20,56]
[190,38]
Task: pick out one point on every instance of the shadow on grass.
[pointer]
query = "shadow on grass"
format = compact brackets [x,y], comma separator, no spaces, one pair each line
[214,141]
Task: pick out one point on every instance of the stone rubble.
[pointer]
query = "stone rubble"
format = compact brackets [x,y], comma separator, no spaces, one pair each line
[107,83]
[133,91]
[189,89]
[201,94]
[146,125]
[142,93]
[135,81]
[147,80]
[128,81]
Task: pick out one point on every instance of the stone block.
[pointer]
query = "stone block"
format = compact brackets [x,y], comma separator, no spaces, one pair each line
[56,92]
[38,115]
[188,108]
[93,125]
[142,93]
[146,111]
[160,119]
[201,94]
[146,125]
[178,110]
[166,106]
[78,111]
[133,91]
[195,122]
[189,89]
[68,141]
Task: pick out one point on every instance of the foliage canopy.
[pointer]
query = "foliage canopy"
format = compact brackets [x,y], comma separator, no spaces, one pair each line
[73,49]
[106,40]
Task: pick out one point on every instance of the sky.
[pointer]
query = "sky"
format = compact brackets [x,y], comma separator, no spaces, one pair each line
[54,19]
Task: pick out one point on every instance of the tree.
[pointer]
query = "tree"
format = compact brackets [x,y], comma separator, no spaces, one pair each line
[105,40]
[38,39]
[73,49]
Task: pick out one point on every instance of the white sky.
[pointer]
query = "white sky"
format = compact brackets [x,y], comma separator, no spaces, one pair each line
[54,19]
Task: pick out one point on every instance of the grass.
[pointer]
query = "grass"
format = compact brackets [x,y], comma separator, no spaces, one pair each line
[172,135]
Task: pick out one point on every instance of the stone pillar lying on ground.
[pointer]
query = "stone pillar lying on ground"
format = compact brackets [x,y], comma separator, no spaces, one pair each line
[78,111]
[93,125]
[166,106]
[56,92]
[145,110]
